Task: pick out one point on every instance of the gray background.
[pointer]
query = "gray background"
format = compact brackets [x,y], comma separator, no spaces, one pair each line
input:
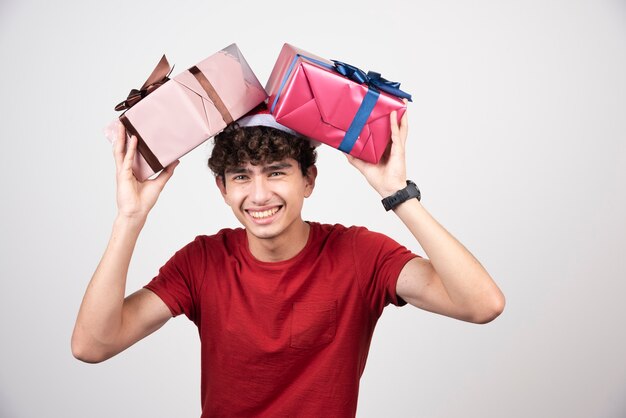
[516,140]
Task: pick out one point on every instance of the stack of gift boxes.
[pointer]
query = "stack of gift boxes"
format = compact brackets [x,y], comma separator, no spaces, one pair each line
[329,101]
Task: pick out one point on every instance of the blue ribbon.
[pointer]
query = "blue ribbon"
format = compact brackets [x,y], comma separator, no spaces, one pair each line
[359,121]
[375,83]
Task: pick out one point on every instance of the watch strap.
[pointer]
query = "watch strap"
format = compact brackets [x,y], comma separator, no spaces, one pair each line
[409,192]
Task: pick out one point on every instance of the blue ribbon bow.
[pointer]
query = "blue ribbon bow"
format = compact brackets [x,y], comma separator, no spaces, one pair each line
[372,79]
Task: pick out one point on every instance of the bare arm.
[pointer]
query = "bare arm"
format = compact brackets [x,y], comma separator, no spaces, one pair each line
[451,281]
[107,322]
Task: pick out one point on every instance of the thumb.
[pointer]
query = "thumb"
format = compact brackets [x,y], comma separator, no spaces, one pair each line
[358,164]
[166,174]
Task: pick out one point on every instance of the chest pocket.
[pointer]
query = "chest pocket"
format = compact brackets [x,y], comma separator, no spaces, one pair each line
[313,324]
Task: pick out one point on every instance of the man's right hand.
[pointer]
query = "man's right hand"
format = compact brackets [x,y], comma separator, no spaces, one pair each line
[135,199]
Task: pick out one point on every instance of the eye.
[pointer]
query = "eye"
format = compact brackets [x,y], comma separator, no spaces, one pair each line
[276,173]
[239,177]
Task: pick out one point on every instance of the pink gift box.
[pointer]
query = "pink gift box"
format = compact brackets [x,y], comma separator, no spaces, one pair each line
[186,110]
[308,95]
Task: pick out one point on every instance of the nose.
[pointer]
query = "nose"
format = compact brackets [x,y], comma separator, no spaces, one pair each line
[260,192]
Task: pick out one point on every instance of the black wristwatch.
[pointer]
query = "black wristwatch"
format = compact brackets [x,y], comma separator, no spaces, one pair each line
[409,192]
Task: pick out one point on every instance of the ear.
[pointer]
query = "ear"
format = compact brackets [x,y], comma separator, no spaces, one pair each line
[311,175]
[220,181]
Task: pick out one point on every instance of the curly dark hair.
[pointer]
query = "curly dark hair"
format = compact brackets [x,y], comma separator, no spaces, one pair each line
[236,146]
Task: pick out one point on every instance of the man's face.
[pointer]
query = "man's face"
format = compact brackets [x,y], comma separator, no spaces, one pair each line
[267,199]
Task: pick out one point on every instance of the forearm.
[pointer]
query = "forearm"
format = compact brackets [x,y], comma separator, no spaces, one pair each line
[465,280]
[99,319]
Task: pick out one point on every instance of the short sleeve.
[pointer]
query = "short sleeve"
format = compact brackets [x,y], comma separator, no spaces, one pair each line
[378,262]
[179,279]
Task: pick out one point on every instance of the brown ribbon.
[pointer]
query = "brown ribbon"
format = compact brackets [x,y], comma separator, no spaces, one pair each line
[210,91]
[159,76]
[142,147]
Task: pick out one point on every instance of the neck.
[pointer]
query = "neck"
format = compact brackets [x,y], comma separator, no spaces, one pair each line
[283,247]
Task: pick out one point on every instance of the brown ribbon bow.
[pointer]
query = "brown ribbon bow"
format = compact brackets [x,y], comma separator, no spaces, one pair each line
[159,76]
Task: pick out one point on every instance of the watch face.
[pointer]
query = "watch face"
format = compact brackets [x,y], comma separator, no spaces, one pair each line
[413,191]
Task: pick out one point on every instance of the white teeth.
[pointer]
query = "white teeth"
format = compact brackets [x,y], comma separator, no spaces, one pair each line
[263,214]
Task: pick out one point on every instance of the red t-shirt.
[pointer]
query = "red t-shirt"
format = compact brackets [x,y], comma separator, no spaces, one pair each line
[288,338]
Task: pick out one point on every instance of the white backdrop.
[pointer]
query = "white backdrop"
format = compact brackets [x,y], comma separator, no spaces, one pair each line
[517,141]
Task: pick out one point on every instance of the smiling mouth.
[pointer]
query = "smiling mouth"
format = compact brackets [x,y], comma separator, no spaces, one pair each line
[264,214]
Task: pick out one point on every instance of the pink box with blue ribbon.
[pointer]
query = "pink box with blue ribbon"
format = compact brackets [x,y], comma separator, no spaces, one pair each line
[334,103]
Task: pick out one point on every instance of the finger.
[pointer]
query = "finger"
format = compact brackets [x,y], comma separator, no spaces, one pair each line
[393,122]
[166,174]
[356,163]
[131,149]
[118,145]
[353,161]
[404,125]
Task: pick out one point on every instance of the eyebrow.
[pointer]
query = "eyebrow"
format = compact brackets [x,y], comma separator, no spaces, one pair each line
[236,170]
[266,168]
[277,166]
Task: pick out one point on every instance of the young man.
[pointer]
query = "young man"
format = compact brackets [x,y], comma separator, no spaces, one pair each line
[285,308]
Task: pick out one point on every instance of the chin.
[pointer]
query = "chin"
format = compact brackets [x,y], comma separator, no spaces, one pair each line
[264,231]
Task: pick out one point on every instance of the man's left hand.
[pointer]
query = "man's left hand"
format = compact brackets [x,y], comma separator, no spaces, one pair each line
[389,175]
